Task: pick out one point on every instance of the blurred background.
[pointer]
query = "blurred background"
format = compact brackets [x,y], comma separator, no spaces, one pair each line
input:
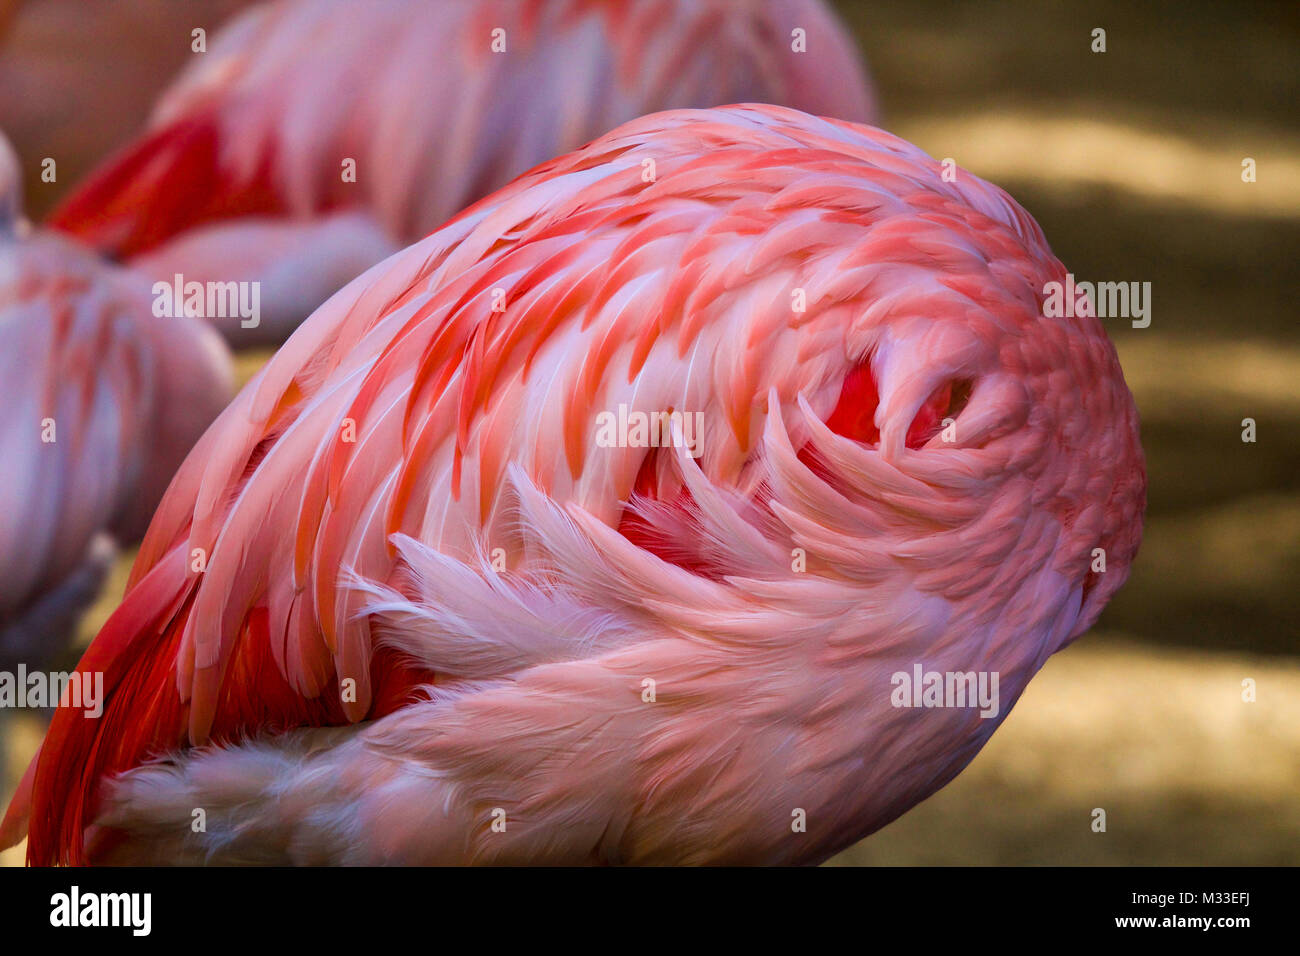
[1131,161]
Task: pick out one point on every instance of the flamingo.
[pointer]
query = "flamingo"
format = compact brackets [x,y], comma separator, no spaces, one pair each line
[402,605]
[244,172]
[102,401]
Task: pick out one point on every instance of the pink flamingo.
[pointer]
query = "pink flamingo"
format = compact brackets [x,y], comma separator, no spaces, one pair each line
[570,649]
[102,401]
[308,143]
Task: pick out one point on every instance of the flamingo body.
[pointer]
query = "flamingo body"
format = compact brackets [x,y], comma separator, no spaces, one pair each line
[433,599]
[102,401]
[434,105]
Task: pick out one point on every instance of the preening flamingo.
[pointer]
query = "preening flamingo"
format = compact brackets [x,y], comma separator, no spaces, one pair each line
[102,400]
[401,605]
[242,175]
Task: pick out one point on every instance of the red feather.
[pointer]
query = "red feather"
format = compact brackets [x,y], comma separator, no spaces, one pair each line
[170,181]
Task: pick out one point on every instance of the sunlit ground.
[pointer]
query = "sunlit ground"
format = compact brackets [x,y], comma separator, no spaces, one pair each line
[1131,162]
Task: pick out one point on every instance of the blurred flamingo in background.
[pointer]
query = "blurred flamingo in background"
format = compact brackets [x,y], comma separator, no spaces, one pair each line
[308,143]
[102,400]
[572,649]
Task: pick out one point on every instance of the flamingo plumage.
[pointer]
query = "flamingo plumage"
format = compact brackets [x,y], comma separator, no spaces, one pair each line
[102,400]
[241,175]
[438,621]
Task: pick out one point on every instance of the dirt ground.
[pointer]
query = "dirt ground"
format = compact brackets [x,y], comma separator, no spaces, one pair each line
[1131,161]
